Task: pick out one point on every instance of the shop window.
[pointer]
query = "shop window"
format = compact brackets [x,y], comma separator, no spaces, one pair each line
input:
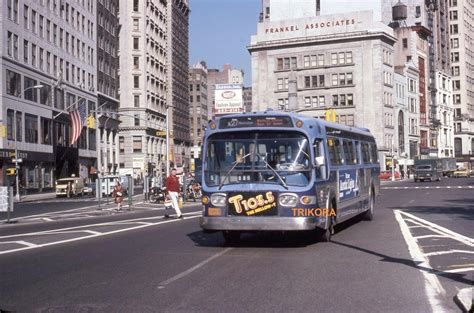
[31,128]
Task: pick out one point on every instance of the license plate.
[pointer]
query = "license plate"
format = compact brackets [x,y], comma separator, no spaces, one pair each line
[253,203]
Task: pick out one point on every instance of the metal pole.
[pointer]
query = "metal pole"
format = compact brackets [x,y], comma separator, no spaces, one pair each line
[393,163]
[167,142]
[16,163]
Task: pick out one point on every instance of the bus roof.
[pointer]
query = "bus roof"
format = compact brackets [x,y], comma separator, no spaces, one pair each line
[307,120]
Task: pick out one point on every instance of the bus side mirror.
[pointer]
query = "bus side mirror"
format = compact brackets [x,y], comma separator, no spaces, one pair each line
[319,161]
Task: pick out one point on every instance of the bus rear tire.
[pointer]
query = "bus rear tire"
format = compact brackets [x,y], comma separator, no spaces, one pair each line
[231,237]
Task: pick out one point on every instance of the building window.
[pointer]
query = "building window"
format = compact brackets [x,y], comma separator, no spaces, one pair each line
[136,43]
[136,121]
[26,51]
[307,82]
[307,101]
[320,59]
[12,49]
[455,56]
[286,63]
[342,58]
[417,11]
[455,43]
[335,100]
[136,61]
[342,79]
[136,81]
[322,101]
[45,94]
[342,99]
[314,101]
[46,131]
[306,61]
[350,99]
[10,125]
[31,94]
[12,7]
[349,78]
[13,82]
[135,5]
[334,79]
[31,128]
[454,29]
[405,43]
[136,101]
[334,58]
[135,24]
[137,144]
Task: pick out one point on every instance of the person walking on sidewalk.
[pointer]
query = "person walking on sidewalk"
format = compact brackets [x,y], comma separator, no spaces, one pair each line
[173,191]
[118,195]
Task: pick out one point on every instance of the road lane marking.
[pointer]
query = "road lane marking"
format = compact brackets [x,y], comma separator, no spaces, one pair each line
[448,252]
[20,242]
[430,236]
[96,235]
[163,284]
[427,187]
[433,288]
[457,270]
[439,229]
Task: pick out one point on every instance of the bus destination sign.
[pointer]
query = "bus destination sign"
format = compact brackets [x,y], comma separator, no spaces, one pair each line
[255,121]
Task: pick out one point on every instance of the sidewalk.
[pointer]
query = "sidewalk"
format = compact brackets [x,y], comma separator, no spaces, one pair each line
[36,197]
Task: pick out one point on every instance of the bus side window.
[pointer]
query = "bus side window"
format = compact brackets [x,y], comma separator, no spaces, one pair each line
[349,151]
[319,152]
[335,151]
[374,154]
[365,153]
[357,152]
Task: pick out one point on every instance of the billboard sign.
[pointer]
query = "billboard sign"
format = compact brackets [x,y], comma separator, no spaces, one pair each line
[228,99]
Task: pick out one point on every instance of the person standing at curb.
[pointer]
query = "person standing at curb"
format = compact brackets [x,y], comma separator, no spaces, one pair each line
[173,191]
[118,195]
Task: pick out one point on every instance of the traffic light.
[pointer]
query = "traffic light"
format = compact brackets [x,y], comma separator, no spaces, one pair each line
[331,115]
[11,171]
[90,121]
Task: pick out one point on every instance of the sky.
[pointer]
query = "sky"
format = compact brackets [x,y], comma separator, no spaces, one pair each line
[220,31]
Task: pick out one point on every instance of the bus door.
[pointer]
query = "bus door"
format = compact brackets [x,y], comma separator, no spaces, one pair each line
[321,172]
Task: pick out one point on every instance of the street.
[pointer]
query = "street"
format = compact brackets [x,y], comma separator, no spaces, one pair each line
[413,257]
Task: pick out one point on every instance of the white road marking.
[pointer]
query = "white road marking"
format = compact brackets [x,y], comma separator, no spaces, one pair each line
[192,269]
[47,219]
[94,236]
[430,236]
[433,288]
[448,252]
[458,270]
[439,229]
[20,242]
[428,187]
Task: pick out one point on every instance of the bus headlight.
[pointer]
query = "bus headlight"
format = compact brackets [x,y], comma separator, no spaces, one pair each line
[288,199]
[218,199]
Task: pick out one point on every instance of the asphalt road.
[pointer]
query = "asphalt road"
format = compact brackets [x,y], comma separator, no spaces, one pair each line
[139,262]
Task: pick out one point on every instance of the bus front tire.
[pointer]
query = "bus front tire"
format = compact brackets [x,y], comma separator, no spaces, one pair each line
[231,237]
[369,214]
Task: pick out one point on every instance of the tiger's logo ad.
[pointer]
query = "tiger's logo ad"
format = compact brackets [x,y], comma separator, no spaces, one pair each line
[249,204]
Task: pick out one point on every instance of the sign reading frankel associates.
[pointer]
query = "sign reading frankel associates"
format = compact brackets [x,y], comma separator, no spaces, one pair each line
[228,99]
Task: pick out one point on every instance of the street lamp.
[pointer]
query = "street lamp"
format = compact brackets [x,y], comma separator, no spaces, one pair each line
[17,178]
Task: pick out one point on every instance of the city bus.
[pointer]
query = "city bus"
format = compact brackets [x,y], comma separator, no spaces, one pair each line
[278,171]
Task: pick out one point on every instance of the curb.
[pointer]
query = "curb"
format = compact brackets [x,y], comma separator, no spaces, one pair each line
[464,299]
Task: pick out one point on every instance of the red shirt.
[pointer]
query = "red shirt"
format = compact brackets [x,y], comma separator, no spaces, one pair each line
[172,184]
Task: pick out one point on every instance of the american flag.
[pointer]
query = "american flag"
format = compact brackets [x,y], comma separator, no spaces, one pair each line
[78,118]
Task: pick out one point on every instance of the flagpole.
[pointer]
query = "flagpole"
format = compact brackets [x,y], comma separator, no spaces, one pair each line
[54,117]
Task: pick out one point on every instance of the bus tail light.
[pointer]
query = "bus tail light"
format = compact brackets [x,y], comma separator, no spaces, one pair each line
[288,199]
[218,199]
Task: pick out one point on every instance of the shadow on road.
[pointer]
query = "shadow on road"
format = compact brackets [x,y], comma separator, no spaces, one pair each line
[386,258]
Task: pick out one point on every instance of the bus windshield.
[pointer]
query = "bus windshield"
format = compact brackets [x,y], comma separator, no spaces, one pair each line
[424,167]
[281,157]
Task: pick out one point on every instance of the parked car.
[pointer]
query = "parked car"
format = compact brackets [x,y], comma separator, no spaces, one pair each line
[461,172]
[385,175]
[72,186]
[89,188]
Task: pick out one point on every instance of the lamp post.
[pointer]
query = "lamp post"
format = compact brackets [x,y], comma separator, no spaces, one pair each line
[17,178]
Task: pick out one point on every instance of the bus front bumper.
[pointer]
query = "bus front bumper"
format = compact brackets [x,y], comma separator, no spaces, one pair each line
[247,223]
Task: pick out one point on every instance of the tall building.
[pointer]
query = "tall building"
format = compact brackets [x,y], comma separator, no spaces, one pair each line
[329,58]
[247,95]
[228,75]
[144,86]
[48,68]
[461,25]
[178,90]
[280,10]
[107,86]
[198,116]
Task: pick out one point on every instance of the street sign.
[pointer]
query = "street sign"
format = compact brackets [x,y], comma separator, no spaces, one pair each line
[6,199]
[160,133]
[17,160]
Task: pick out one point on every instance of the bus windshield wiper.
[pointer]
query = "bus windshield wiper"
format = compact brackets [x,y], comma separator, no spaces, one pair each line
[232,168]
[283,183]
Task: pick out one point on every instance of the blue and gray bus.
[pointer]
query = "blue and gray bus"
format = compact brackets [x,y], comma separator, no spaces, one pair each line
[278,171]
